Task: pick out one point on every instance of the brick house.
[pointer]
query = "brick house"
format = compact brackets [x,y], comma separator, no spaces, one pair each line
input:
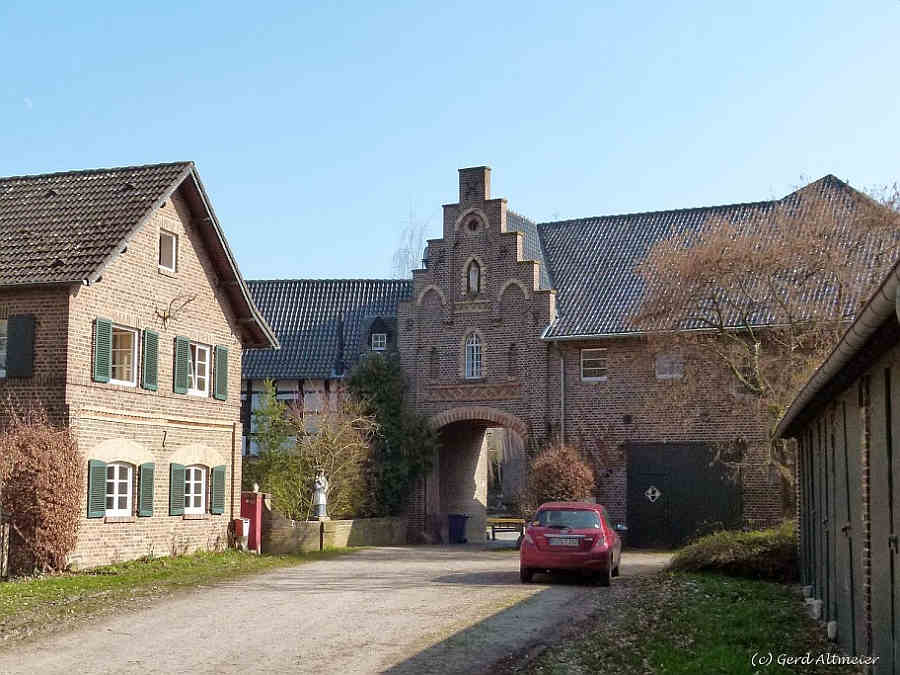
[123,313]
[848,480]
[524,327]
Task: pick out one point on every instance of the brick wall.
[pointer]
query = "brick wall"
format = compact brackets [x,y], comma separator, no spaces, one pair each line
[521,383]
[159,426]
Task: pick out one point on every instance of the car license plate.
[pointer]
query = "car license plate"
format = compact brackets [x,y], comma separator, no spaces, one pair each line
[563,541]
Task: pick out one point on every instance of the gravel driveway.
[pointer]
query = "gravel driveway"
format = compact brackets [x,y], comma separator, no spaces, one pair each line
[402,610]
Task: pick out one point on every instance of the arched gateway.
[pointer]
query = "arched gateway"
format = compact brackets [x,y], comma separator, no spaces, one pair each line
[481,414]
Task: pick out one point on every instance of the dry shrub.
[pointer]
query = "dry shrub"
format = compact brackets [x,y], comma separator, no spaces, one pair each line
[757,554]
[558,474]
[40,490]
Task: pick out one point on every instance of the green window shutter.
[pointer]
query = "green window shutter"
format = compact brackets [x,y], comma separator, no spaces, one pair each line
[96,507]
[102,349]
[20,346]
[150,373]
[182,359]
[221,382]
[218,490]
[176,489]
[145,497]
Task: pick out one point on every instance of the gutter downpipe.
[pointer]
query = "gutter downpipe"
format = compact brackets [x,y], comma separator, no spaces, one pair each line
[562,395]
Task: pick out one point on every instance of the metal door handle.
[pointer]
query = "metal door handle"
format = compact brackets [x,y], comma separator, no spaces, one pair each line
[845,528]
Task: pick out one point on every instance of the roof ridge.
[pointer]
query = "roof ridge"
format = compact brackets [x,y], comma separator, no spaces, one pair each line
[74,172]
[249,281]
[660,211]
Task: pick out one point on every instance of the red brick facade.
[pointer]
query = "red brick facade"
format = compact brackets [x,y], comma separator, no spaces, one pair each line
[520,386]
[129,423]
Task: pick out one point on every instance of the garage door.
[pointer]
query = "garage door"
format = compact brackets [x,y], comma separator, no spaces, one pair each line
[676,491]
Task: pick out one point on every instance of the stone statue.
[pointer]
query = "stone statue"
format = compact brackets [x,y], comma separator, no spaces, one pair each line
[320,497]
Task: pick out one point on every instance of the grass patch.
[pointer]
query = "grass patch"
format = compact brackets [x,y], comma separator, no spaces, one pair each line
[32,604]
[682,624]
[759,554]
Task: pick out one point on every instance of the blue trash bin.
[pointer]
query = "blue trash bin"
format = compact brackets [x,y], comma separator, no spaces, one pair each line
[457,527]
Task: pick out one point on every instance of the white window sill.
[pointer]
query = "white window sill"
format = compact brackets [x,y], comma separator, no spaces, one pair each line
[669,377]
[595,379]
[166,271]
[195,516]
[120,518]
[123,383]
[196,392]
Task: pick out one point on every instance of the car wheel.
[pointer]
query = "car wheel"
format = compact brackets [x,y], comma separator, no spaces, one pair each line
[525,574]
[605,578]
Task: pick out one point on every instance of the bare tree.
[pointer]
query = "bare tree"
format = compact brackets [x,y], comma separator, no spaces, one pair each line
[766,292]
[408,254]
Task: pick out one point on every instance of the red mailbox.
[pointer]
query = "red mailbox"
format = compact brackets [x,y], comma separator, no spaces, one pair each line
[251,507]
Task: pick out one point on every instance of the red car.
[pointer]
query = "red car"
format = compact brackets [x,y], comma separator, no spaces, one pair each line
[571,536]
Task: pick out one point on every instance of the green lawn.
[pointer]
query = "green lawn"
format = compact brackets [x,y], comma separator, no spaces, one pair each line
[686,624]
[34,604]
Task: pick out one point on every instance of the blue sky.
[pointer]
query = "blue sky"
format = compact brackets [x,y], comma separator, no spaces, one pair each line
[318,130]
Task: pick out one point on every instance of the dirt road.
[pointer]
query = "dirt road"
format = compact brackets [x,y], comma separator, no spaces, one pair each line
[402,610]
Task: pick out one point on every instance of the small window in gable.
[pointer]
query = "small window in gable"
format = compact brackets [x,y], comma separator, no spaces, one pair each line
[168,251]
[594,364]
[379,342]
[669,367]
[473,278]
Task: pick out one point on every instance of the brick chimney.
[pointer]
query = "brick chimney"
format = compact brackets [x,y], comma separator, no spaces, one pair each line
[474,184]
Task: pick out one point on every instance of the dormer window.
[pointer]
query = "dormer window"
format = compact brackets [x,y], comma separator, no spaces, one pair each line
[168,251]
[379,342]
[473,278]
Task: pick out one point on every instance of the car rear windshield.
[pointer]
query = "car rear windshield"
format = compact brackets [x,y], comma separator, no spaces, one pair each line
[571,518]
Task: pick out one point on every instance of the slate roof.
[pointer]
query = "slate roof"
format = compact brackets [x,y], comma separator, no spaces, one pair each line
[533,249]
[60,227]
[318,319]
[64,228]
[592,261]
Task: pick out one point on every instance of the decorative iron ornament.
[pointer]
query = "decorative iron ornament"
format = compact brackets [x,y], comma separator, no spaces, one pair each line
[653,493]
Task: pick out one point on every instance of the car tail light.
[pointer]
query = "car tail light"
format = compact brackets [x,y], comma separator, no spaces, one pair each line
[600,541]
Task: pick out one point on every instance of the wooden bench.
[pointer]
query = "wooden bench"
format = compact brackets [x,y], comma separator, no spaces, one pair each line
[505,525]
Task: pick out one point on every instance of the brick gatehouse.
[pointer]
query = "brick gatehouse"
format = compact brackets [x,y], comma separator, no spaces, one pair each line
[524,326]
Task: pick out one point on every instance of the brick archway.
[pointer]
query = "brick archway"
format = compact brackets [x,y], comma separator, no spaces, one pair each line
[480,413]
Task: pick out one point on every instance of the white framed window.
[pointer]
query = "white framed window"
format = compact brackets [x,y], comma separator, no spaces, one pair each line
[198,370]
[3,337]
[594,364]
[379,342]
[168,251]
[124,356]
[473,357]
[118,489]
[195,489]
[669,366]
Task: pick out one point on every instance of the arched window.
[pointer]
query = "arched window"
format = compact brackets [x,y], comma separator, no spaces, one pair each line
[473,278]
[195,489]
[473,357]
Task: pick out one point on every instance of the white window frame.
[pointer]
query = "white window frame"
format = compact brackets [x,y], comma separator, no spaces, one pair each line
[116,494]
[4,337]
[193,350]
[669,366]
[174,237]
[189,480]
[474,357]
[134,355]
[379,342]
[595,354]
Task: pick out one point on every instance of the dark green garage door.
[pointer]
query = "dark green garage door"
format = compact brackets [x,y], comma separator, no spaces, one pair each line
[676,491]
